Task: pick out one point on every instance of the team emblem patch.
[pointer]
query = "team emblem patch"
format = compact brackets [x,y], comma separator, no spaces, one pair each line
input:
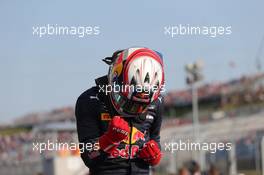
[105,116]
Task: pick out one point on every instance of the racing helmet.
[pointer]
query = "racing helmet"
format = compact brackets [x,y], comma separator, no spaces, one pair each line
[136,78]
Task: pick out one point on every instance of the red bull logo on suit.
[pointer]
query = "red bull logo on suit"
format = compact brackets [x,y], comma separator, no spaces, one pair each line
[135,136]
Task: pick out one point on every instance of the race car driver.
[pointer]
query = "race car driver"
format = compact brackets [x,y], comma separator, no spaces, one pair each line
[120,118]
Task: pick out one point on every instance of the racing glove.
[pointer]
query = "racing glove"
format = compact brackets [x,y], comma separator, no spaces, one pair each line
[151,153]
[118,130]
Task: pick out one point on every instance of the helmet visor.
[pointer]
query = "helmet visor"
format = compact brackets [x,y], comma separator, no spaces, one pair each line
[123,105]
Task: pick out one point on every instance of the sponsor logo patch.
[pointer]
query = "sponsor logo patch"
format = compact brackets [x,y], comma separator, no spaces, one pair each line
[136,135]
[105,117]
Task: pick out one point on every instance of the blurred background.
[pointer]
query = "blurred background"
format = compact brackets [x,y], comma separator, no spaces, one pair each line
[214,86]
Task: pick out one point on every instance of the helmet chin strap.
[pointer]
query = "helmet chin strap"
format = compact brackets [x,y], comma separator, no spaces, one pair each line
[127,115]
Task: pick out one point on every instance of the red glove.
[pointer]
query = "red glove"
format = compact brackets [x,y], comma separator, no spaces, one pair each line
[150,153]
[117,131]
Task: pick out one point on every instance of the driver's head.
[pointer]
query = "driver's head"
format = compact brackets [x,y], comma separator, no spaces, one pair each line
[136,76]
